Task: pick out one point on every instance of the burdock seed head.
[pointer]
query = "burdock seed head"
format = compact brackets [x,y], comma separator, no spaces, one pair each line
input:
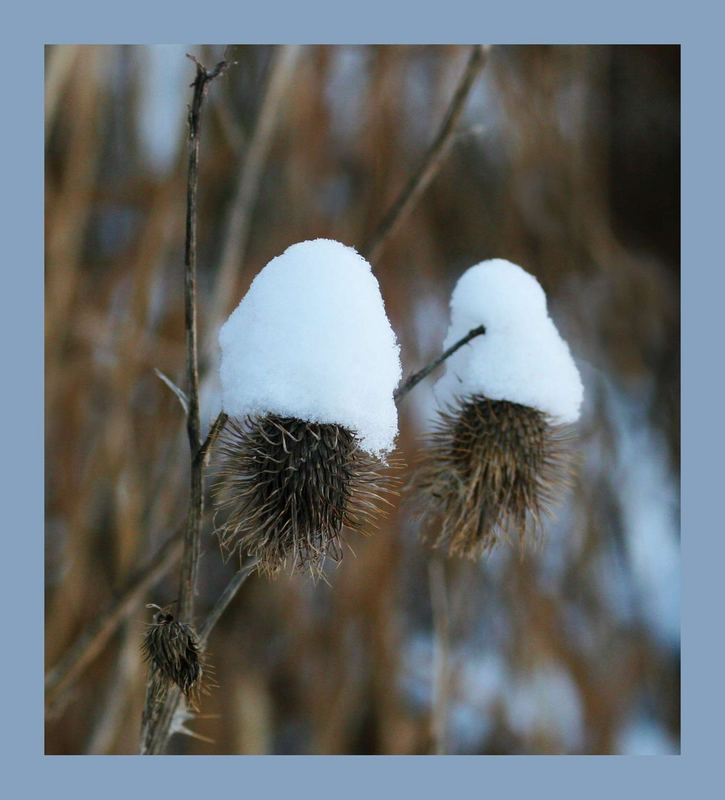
[309,364]
[174,654]
[287,488]
[500,453]
[491,468]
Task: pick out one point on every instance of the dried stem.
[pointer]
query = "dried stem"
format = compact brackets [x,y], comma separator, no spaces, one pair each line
[224,599]
[441,678]
[414,379]
[190,561]
[419,180]
[156,709]
[202,454]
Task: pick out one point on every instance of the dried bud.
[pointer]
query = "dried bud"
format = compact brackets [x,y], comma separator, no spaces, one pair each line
[287,488]
[492,468]
[174,654]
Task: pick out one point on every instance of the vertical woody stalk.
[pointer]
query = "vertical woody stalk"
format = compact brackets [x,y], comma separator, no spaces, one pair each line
[190,560]
[161,700]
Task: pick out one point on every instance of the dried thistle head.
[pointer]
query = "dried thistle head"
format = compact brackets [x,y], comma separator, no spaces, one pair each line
[174,654]
[286,488]
[492,468]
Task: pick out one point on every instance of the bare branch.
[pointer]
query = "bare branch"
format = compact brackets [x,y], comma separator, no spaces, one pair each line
[419,181]
[441,677]
[177,390]
[414,379]
[225,598]
[202,454]
[156,710]
[190,562]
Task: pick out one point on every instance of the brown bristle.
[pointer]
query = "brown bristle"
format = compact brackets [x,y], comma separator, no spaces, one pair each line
[491,468]
[174,654]
[287,488]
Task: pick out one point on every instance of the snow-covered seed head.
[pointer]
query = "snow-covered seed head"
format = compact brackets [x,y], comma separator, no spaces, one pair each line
[288,487]
[174,654]
[309,365]
[501,451]
[492,468]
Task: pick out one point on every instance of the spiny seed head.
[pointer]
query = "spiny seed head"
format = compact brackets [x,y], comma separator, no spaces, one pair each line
[286,489]
[174,654]
[492,468]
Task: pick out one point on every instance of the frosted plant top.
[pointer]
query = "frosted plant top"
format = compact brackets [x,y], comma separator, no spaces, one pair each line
[521,357]
[311,340]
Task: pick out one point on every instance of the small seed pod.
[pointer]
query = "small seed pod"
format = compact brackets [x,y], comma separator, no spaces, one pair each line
[309,364]
[287,487]
[174,654]
[501,451]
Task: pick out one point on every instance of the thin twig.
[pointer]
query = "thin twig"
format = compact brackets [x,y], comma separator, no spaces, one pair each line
[177,390]
[441,680]
[202,454]
[225,598]
[414,379]
[419,181]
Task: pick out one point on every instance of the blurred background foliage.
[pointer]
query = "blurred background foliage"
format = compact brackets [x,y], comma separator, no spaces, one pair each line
[567,162]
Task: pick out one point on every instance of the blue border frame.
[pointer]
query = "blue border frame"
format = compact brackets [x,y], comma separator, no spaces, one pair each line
[696,27]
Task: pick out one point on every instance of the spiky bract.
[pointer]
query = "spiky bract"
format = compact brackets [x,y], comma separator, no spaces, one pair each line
[287,488]
[491,468]
[174,654]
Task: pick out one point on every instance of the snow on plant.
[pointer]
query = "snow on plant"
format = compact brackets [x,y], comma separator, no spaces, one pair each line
[309,365]
[501,449]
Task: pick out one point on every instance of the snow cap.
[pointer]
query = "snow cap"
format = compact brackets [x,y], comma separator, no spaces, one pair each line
[311,340]
[521,357]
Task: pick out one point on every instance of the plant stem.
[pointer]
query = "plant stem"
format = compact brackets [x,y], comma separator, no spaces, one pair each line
[158,712]
[419,180]
[441,677]
[414,379]
[190,560]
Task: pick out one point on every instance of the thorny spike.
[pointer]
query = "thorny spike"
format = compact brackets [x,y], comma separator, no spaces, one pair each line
[303,484]
[491,468]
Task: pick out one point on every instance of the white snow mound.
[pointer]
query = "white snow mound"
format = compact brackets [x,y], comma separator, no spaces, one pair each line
[521,357]
[311,340]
